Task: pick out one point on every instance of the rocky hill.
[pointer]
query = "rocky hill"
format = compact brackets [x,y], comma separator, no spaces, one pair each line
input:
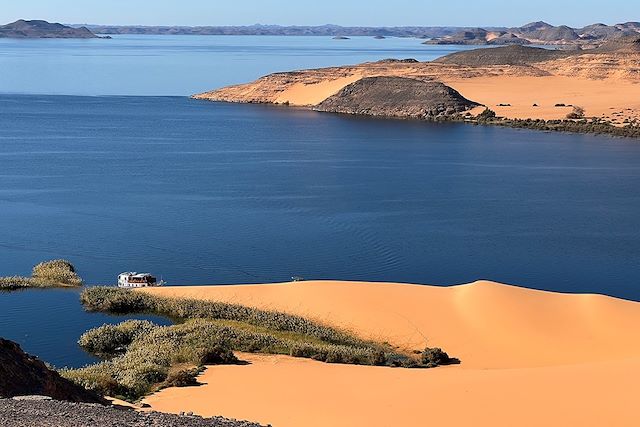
[21,375]
[398,97]
[540,33]
[38,29]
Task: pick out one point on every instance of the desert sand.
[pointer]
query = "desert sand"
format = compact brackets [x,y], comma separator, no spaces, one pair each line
[605,83]
[528,358]
[613,99]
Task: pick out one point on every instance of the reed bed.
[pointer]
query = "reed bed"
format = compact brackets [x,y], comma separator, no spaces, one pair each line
[141,357]
[50,274]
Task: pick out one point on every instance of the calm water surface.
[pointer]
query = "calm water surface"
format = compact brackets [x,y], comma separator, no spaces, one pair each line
[181,65]
[206,193]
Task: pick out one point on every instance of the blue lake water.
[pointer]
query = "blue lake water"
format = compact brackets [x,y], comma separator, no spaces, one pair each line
[181,65]
[209,193]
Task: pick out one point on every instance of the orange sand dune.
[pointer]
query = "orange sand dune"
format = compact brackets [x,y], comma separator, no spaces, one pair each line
[301,94]
[528,358]
[288,392]
[613,99]
[485,324]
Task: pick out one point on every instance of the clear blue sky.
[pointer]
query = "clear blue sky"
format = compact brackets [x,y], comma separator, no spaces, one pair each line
[317,12]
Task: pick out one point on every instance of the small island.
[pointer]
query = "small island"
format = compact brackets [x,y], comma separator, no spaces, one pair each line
[57,273]
[38,29]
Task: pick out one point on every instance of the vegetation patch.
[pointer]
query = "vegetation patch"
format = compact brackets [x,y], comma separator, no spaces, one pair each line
[141,357]
[575,123]
[49,274]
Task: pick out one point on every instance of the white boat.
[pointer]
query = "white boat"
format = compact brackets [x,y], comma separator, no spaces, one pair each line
[132,279]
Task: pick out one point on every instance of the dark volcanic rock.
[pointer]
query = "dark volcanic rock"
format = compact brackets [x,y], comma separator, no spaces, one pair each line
[508,55]
[43,30]
[398,97]
[21,374]
[55,414]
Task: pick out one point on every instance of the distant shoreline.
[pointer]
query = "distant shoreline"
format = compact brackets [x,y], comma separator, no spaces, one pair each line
[540,33]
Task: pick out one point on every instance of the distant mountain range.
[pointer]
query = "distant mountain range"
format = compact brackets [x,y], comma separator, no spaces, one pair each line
[277,30]
[533,33]
[43,30]
[540,33]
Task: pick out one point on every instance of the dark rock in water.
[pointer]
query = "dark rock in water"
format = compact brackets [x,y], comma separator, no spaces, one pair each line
[24,375]
[379,37]
[397,97]
[38,29]
[341,38]
[508,55]
[55,414]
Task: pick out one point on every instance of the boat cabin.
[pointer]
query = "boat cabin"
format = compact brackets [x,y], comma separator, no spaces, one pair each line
[136,280]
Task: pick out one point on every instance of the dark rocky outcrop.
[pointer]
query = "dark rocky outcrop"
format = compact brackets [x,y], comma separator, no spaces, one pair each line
[507,55]
[21,375]
[398,97]
[38,29]
[51,413]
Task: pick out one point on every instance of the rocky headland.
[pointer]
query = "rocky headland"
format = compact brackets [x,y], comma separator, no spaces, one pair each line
[38,29]
[595,90]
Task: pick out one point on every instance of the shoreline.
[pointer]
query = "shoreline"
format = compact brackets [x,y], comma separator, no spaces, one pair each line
[577,127]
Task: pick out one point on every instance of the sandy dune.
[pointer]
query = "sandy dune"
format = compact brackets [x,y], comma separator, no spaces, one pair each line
[529,358]
[612,99]
[301,94]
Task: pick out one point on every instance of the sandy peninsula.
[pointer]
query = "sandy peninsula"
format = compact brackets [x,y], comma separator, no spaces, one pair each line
[516,82]
[528,358]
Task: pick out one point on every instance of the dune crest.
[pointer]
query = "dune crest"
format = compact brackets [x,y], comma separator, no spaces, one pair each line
[529,358]
[485,324]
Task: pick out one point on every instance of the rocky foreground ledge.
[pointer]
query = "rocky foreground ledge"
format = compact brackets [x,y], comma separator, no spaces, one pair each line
[51,413]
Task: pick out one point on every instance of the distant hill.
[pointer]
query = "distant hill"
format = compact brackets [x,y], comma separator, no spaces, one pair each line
[38,29]
[540,33]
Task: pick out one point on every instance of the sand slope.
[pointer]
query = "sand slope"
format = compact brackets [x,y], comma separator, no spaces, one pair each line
[485,324]
[529,358]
